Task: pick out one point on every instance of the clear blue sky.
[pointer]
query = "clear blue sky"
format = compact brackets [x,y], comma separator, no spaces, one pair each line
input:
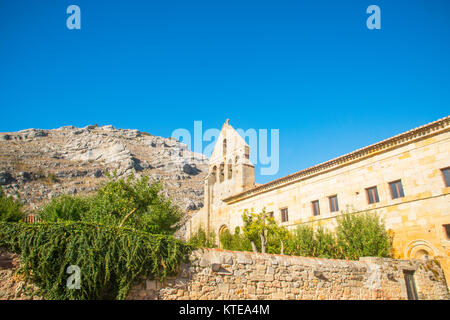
[309,68]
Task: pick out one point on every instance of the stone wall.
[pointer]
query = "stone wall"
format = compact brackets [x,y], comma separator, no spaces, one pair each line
[220,274]
[12,285]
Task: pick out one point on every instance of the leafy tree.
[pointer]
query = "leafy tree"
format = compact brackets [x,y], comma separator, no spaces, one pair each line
[356,235]
[302,242]
[306,241]
[362,235]
[10,209]
[131,202]
[259,228]
[325,245]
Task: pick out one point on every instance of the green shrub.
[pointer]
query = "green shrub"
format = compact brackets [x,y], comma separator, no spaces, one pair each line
[307,242]
[131,202]
[235,242]
[65,208]
[302,242]
[226,240]
[275,238]
[356,235]
[110,258]
[202,240]
[362,235]
[325,245]
[10,209]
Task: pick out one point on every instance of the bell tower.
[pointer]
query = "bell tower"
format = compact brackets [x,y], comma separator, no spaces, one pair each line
[230,170]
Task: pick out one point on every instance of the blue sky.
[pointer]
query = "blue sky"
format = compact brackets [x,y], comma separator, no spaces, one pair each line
[311,69]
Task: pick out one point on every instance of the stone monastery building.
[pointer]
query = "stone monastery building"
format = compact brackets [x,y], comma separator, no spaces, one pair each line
[405,179]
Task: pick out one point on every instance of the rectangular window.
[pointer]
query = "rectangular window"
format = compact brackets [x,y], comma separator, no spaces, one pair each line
[372,195]
[333,204]
[410,285]
[396,189]
[447,230]
[247,152]
[284,215]
[270,214]
[446,174]
[315,207]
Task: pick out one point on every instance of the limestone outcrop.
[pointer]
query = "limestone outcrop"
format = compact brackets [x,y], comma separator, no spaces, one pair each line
[38,164]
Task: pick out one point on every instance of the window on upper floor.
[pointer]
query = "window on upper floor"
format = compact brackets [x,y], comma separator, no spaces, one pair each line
[333,203]
[224,149]
[447,230]
[270,214]
[221,172]
[396,188]
[284,215]
[372,195]
[214,174]
[315,207]
[446,175]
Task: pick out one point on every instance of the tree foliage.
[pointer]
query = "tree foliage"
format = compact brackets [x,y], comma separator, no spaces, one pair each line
[120,233]
[236,241]
[10,209]
[65,208]
[356,235]
[203,240]
[309,242]
[110,258]
[263,232]
[130,202]
[362,235]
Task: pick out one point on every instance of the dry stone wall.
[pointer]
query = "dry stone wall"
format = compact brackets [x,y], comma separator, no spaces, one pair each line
[220,274]
[12,284]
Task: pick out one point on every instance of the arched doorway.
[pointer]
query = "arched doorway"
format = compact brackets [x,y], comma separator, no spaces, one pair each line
[420,249]
[223,229]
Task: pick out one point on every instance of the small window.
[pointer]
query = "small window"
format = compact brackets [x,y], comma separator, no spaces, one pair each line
[224,147]
[247,152]
[333,204]
[222,172]
[372,195]
[447,230]
[214,174]
[315,207]
[446,174]
[396,189]
[284,215]
[270,214]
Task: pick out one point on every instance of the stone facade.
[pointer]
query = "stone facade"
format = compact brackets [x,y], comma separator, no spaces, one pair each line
[220,274]
[416,158]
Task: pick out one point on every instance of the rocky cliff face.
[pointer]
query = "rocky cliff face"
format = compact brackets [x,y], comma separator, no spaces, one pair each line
[40,164]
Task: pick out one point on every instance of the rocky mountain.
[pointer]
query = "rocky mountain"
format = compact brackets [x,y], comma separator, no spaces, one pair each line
[40,164]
